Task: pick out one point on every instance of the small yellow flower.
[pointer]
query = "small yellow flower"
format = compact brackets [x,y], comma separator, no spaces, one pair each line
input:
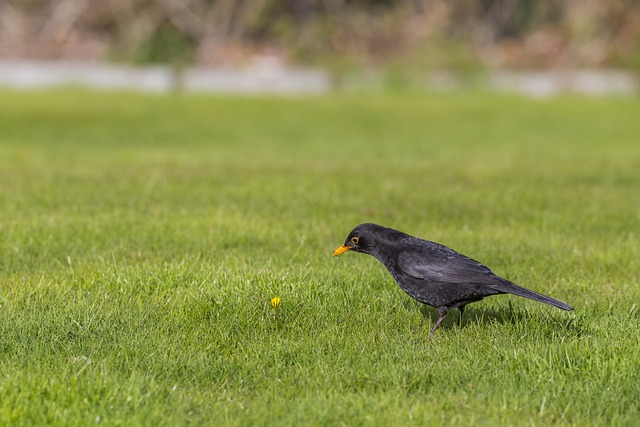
[275,305]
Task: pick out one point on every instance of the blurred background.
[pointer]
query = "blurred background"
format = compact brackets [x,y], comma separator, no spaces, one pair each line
[536,46]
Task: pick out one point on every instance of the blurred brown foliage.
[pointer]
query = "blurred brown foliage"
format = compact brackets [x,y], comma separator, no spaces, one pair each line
[439,33]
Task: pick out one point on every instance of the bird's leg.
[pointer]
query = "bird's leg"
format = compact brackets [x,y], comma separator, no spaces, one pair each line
[442,311]
[461,308]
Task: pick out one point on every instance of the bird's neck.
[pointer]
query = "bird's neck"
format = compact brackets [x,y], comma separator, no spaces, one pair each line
[384,251]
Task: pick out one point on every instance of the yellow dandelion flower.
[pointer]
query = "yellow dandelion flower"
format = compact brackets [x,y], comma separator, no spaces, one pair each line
[275,304]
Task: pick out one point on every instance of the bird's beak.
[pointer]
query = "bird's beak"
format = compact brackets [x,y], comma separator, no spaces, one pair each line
[342,249]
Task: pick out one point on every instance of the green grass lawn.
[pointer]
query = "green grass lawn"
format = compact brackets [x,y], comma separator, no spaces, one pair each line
[142,237]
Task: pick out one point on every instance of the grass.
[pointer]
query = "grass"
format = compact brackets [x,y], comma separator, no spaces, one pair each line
[142,238]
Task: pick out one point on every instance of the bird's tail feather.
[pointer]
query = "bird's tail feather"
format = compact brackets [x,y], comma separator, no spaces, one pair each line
[512,288]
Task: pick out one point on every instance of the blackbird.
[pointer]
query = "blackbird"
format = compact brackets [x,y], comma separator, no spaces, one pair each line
[433,273]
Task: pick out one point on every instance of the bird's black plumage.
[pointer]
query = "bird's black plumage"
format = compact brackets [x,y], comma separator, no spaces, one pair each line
[433,273]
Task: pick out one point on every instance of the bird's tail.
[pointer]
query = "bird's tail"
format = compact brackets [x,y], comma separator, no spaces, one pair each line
[512,288]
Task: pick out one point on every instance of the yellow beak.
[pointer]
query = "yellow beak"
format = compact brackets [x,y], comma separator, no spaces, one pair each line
[342,249]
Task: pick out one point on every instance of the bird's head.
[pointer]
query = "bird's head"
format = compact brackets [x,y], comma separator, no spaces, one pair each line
[363,238]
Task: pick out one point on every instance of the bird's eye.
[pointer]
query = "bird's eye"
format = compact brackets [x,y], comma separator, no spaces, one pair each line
[354,240]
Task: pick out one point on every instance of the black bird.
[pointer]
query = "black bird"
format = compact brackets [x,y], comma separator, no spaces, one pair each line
[433,273]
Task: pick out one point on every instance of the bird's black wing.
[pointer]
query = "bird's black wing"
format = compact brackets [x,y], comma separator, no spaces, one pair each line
[433,262]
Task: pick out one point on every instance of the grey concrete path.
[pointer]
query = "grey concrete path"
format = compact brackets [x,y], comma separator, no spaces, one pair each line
[268,75]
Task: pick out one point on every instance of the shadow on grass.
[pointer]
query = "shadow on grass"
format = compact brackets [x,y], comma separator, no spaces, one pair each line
[548,323]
